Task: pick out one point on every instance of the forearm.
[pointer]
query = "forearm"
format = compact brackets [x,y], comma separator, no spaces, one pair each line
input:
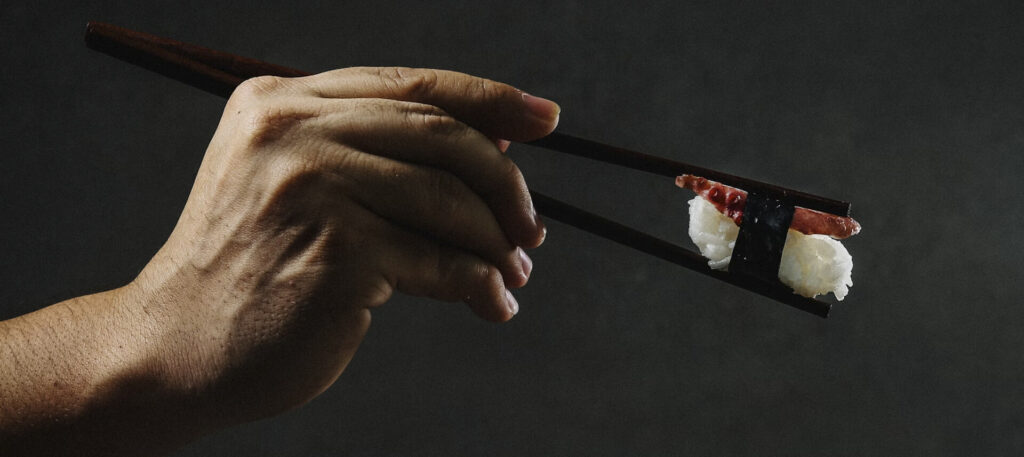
[80,378]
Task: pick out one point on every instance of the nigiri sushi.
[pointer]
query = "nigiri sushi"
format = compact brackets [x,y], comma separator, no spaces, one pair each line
[813,262]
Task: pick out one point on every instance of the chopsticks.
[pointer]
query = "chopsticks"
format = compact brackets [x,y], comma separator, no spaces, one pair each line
[213,71]
[661,166]
[219,73]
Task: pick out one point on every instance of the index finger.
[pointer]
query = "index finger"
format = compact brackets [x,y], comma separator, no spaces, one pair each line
[496,109]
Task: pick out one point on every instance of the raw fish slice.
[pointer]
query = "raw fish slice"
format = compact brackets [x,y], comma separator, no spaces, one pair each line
[730,202]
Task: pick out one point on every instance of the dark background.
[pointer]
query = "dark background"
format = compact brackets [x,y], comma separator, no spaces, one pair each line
[912,111]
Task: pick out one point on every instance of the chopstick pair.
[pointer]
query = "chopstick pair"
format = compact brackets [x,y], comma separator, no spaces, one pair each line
[219,73]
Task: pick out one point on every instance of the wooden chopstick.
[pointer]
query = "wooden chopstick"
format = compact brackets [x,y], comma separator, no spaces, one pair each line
[219,73]
[659,165]
[213,71]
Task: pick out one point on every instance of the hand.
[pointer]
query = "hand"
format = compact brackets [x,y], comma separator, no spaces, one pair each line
[317,199]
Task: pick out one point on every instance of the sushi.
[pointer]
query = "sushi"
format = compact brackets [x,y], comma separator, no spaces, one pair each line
[814,261]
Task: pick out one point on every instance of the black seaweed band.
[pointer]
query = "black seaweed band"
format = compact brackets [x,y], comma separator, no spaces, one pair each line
[758,250]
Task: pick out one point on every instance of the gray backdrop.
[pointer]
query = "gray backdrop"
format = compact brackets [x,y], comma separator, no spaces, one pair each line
[913,112]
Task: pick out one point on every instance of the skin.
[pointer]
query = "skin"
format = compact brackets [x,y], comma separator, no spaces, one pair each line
[318,198]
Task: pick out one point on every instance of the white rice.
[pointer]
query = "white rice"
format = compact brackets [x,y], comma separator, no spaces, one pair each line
[811,264]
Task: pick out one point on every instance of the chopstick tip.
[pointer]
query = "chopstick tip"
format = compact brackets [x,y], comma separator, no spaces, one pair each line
[91,31]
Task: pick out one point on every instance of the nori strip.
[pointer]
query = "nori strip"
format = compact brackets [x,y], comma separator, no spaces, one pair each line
[758,250]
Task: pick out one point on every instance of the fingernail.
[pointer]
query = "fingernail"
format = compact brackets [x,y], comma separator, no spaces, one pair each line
[525,262]
[540,225]
[513,305]
[502,145]
[544,109]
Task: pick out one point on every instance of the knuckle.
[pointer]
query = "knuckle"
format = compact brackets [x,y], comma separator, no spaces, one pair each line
[486,89]
[266,122]
[263,115]
[435,121]
[378,292]
[259,87]
[478,280]
[511,173]
[450,274]
[313,246]
[292,187]
[300,185]
[407,83]
[490,282]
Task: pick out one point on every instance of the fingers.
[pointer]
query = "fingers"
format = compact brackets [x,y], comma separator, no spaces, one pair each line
[451,207]
[423,134]
[433,202]
[496,109]
[416,265]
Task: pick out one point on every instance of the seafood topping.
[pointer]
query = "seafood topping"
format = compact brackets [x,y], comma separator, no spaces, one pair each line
[730,201]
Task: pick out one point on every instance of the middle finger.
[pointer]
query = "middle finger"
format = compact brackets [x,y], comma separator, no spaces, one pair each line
[424,134]
[433,202]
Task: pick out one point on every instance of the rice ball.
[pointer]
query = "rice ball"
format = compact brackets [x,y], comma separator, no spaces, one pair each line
[811,264]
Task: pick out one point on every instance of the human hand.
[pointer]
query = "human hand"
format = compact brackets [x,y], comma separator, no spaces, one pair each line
[317,199]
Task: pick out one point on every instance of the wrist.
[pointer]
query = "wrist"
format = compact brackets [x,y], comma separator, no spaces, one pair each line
[83,377]
[179,358]
[136,391]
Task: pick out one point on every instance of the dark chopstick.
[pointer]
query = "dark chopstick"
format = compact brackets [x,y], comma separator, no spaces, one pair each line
[213,71]
[659,165]
[219,73]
